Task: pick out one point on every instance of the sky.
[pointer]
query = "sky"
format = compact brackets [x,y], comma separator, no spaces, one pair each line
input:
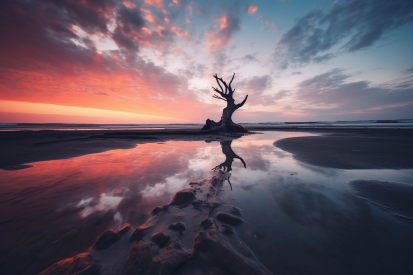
[153,61]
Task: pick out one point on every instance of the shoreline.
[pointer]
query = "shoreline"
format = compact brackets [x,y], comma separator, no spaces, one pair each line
[343,148]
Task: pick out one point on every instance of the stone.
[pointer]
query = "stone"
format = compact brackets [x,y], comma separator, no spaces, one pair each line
[183,197]
[139,233]
[235,211]
[227,229]
[125,228]
[81,264]
[161,239]
[178,226]
[228,218]
[207,223]
[148,258]
[159,209]
[106,239]
[201,242]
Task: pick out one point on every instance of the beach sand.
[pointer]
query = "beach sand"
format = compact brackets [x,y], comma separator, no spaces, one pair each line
[142,250]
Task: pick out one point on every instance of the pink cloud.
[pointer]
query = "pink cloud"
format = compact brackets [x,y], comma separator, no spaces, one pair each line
[221,33]
[252,9]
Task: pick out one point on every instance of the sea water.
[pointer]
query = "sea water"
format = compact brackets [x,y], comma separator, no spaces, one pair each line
[298,218]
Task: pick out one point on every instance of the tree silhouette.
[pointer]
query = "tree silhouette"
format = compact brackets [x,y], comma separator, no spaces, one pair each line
[226,122]
[226,166]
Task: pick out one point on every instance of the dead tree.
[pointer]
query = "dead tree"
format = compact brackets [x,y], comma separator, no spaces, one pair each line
[226,166]
[226,123]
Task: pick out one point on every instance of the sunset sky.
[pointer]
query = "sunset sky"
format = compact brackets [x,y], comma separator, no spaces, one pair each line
[152,61]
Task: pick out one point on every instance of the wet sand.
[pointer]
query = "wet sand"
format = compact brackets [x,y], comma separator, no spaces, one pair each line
[354,149]
[334,148]
[338,148]
[20,147]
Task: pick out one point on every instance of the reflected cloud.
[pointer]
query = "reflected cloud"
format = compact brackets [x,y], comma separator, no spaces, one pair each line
[328,172]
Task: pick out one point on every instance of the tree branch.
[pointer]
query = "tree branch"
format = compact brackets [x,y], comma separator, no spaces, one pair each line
[216,77]
[215,96]
[242,103]
[229,85]
[218,91]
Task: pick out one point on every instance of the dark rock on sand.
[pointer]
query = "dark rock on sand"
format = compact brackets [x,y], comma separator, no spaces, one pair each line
[207,223]
[183,197]
[397,198]
[109,237]
[148,258]
[201,242]
[159,209]
[81,264]
[106,239]
[227,229]
[139,233]
[228,218]
[178,226]
[214,249]
[235,211]
[161,239]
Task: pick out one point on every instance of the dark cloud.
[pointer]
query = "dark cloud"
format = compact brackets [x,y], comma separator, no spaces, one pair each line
[362,23]
[410,70]
[296,73]
[331,90]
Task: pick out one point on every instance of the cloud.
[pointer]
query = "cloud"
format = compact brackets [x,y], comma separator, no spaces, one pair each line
[249,58]
[410,70]
[257,87]
[48,55]
[252,9]
[360,23]
[221,33]
[331,94]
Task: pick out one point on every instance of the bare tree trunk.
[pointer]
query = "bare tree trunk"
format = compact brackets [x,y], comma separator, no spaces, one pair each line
[226,122]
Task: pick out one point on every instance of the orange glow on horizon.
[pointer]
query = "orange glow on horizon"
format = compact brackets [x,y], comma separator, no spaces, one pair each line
[99,114]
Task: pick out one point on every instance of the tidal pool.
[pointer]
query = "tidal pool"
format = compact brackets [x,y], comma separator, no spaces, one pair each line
[299,218]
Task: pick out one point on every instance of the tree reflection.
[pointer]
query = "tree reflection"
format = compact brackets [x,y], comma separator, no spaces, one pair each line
[226,166]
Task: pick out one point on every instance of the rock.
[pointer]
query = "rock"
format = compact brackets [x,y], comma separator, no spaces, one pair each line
[207,223]
[197,182]
[183,197]
[140,260]
[159,209]
[235,211]
[178,226]
[147,258]
[125,228]
[227,229]
[200,204]
[201,242]
[210,124]
[221,254]
[228,218]
[161,239]
[81,264]
[139,233]
[106,239]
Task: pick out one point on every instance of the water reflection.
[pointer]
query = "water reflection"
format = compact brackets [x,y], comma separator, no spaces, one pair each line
[226,166]
[299,219]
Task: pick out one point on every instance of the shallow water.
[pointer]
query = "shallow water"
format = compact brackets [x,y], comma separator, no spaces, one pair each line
[299,219]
